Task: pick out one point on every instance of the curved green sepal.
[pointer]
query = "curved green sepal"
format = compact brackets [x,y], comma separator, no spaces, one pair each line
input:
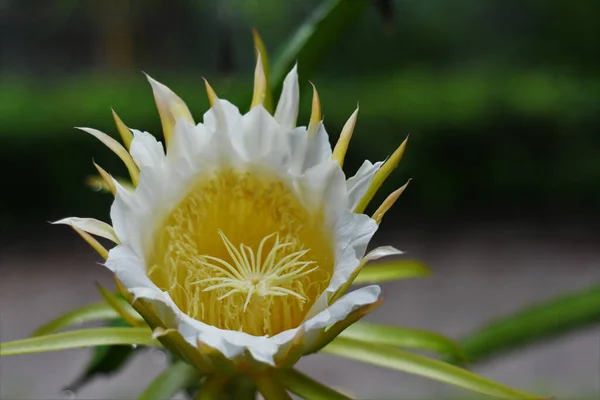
[122,307]
[403,338]
[306,387]
[393,358]
[78,339]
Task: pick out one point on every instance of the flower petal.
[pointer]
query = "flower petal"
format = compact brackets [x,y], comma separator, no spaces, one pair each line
[170,107]
[287,107]
[260,83]
[357,185]
[146,150]
[388,203]
[124,131]
[221,117]
[380,252]
[256,138]
[341,309]
[118,149]
[188,140]
[91,225]
[381,176]
[339,153]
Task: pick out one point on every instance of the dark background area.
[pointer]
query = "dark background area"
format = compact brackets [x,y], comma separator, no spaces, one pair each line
[501,98]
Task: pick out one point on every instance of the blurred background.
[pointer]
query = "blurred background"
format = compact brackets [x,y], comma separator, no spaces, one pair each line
[502,102]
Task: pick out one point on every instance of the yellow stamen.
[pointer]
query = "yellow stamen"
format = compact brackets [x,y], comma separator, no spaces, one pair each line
[255,277]
[380,176]
[240,252]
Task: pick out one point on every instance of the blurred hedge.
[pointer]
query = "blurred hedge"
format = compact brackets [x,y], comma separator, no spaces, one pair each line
[526,141]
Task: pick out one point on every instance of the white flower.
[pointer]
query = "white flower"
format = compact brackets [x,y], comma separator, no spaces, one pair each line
[244,235]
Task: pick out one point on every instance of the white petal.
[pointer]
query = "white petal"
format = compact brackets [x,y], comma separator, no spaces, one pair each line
[92,226]
[170,107]
[222,116]
[128,267]
[125,215]
[308,151]
[380,252]
[257,138]
[188,140]
[298,149]
[357,185]
[324,186]
[354,233]
[146,150]
[344,306]
[255,133]
[319,148]
[287,108]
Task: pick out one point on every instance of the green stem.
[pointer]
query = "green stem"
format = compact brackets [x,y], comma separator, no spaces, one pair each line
[243,389]
[271,388]
[212,388]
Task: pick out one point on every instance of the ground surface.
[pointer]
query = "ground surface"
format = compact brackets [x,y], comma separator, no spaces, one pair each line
[481,272]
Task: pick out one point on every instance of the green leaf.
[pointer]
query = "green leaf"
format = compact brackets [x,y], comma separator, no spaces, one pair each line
[175,378]
[390,357]
[550,319]
[311,41]
[105,360]
[403,337]
[306,387]
[78,339]
[91,312]
[391,271]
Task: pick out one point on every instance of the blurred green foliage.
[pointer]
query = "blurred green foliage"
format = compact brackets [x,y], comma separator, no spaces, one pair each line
[520,140]
[501,98]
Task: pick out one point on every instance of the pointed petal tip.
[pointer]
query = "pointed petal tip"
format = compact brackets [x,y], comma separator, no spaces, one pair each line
[316,115]
[124,131]
[260,82]
[210,92]
[150,79]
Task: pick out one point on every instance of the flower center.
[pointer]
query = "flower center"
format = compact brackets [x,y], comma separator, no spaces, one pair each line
[240,252]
